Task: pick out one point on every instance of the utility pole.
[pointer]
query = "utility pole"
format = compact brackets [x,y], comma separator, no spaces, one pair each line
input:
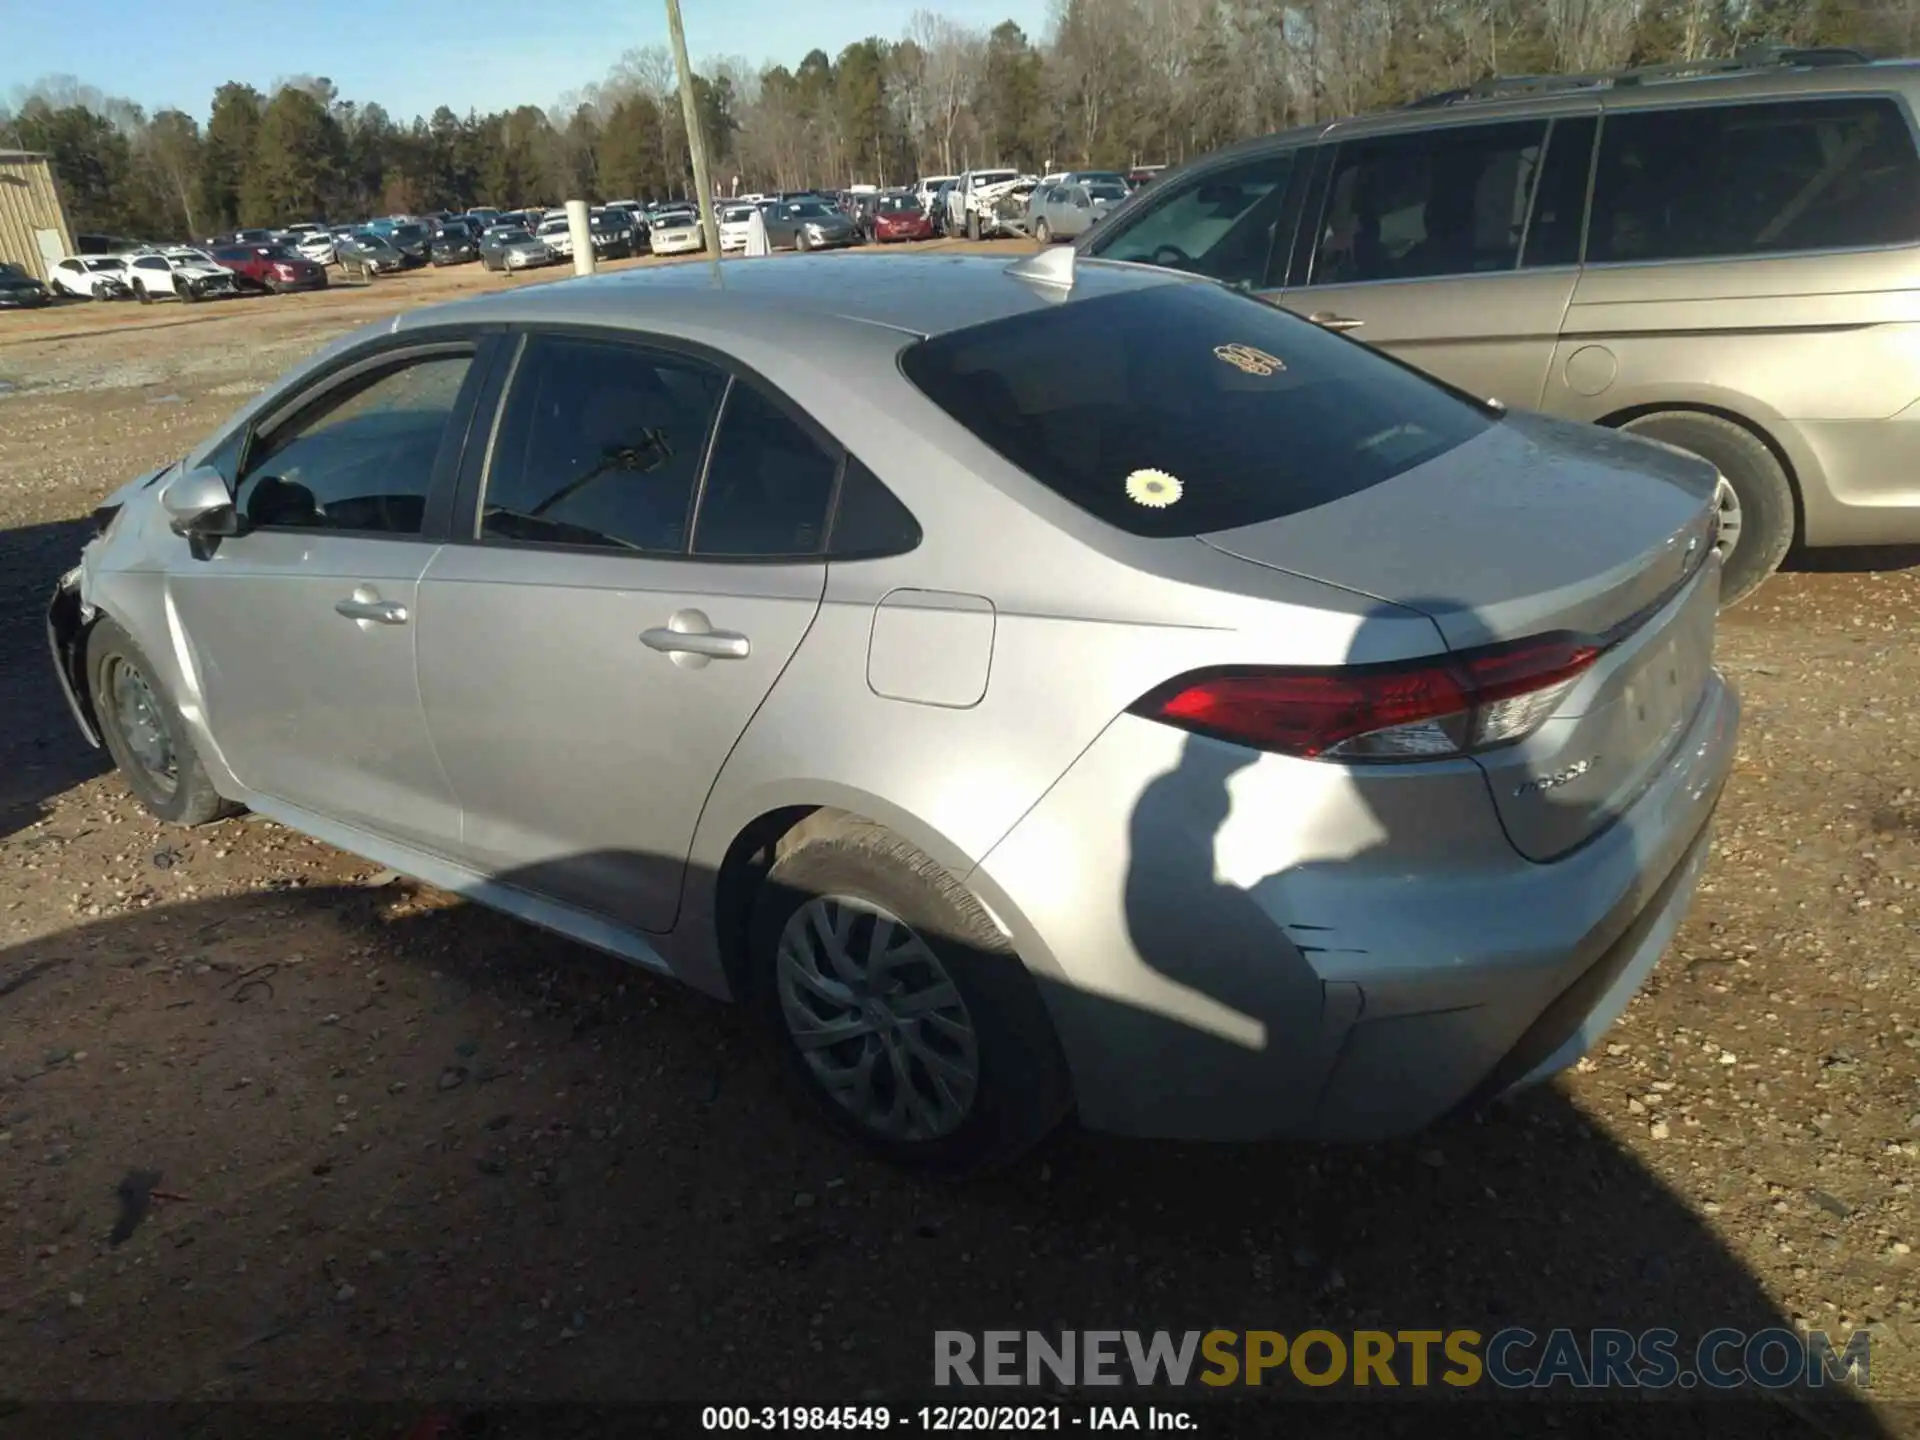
[696,141]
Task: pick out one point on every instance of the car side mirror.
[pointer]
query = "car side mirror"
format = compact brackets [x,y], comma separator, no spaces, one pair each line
[198,503]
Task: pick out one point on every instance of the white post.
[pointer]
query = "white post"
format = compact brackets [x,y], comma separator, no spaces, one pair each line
[582,234]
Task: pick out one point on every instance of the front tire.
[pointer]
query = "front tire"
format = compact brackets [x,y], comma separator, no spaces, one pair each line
[1043,232]
[1756,505]
[901,1010]
[145,734]
[800,241]
[973,225]
[140,293]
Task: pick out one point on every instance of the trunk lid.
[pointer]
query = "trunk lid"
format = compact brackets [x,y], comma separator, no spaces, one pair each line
[1539,525]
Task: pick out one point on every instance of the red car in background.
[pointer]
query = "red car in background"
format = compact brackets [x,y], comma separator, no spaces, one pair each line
[897,217]
[271,267]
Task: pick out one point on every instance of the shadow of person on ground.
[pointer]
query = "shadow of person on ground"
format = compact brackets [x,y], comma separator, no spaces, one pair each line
[42,753]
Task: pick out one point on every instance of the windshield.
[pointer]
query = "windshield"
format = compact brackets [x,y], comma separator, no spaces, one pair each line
[809,210]
[510,235]
[738,215]
[896,204]
[1181,409]
[1106,192]
[992,177]
[409,232]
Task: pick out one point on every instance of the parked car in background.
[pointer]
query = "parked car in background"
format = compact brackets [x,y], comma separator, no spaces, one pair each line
[512,247]
[1321,750]
[413,239]
[190,277]
[367,253]
[1060,212]
[1143,175]
[21,291]
[675,232]
[81,275]
[557,236]
[970,197]
[809,225]
[1717,266]
[455,242]
[482,216]
[897,216]
[927,187]
[937,209]
[317,247]
[274,268]
[736,222]
[612,233]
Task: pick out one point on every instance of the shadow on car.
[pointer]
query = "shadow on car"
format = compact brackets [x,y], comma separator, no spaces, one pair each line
[42,754]
[1853,560]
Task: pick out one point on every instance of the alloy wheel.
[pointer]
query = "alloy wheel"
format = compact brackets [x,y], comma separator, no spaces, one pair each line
[877,1019]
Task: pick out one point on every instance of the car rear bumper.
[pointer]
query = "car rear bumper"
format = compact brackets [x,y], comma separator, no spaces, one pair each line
[1859,479]
[1241,946]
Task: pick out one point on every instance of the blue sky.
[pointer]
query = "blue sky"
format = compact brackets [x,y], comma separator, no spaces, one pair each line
[412,56]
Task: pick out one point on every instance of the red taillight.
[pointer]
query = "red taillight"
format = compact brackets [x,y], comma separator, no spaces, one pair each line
[1418,710]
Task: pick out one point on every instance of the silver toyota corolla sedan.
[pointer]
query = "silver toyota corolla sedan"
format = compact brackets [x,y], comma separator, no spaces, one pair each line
[1067,687]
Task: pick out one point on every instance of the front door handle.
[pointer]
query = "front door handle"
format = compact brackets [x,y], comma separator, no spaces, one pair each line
[690,634]
[1327,320]
[365,604]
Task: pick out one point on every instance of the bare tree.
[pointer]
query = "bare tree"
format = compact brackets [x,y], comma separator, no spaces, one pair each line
[953,58]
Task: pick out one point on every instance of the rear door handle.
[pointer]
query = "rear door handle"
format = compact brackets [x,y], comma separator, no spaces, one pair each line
[365,604]
[710,644]
[1327,320]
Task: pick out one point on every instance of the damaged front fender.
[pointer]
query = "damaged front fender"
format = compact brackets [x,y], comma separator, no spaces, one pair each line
[67,618]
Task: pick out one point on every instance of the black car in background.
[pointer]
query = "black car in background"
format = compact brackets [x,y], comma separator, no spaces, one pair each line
[613,235]
[413,239]
[19,289]
[455,242]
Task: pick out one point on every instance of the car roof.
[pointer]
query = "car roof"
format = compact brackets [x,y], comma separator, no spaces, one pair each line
[916,294]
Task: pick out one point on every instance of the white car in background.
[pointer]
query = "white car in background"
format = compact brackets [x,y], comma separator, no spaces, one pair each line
[189,275]
[735,222]
[676,233]
[556,235]
[78,274]
[316,245]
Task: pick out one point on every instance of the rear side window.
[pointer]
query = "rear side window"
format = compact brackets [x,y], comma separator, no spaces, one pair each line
[1447,201]
[600,444]
[1179,409]
[768,484]
[1732,180]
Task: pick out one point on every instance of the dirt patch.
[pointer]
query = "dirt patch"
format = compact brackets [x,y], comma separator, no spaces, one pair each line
[375,1142]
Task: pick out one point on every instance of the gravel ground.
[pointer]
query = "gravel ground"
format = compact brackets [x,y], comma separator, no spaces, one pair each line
[428,1152]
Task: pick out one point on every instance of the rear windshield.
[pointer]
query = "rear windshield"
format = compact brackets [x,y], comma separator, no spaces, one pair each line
[1175,410]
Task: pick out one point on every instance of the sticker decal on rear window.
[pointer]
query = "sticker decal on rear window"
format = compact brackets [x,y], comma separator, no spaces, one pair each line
[1155,489]
[1250,360]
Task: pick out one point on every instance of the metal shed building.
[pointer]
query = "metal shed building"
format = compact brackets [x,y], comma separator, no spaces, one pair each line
[33,226]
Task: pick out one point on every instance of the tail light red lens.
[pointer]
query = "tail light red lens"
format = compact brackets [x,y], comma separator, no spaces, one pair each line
[1421,710]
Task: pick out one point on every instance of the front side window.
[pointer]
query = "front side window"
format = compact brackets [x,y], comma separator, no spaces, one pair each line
[359,458]
[1449,201]
[600,444]
[768,485]
[1176,410]
[1733,180]
[1220,224]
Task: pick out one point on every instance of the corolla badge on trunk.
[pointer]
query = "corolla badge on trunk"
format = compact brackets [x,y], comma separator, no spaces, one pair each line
[1540,784]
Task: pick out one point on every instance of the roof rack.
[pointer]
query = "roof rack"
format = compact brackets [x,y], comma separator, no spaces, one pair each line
[1751,58]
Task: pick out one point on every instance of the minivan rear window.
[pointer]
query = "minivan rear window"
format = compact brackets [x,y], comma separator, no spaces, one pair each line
[1730,180]
[1184,408]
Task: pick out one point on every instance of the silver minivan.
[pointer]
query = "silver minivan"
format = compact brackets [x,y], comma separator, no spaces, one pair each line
[1727,261]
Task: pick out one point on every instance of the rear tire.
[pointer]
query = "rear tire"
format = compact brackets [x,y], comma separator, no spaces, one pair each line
[145,734]
[1759,515]
[950,1065]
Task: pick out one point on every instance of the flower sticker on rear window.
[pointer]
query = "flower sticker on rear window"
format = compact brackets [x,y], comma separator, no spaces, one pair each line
[1251,361]
[1155,489]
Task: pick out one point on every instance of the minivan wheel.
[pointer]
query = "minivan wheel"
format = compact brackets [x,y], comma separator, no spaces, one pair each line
[1756,500]
[144,733]
[900,1009]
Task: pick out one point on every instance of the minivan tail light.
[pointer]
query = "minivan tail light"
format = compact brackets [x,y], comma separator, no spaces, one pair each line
[1428,709]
